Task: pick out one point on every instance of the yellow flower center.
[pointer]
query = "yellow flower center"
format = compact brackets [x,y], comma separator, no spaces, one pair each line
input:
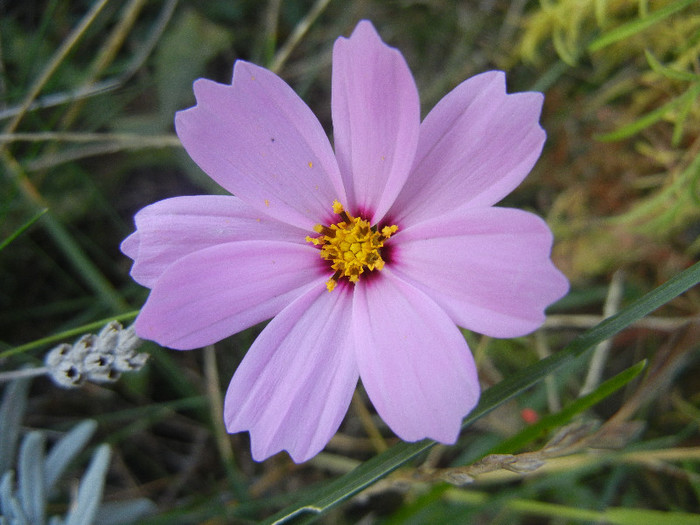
[351,245]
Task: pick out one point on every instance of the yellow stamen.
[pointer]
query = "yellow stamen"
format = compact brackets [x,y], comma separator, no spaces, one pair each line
[351,245]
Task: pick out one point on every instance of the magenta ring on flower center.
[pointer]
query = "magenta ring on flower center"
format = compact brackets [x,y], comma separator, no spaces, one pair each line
[351,245]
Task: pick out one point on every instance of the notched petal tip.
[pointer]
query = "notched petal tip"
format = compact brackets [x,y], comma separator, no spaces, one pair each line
[506,254]
[366,29]
[376,118]
[294,385]
[476,145]
[365,37]
[130,246]
[414,363]
[261,142]
[202,88]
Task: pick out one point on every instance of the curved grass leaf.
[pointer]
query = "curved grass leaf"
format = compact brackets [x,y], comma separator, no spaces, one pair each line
[665,71]
[65,450]
[30,477]
[19,231]
[638,25]
[690,95]
[379,466]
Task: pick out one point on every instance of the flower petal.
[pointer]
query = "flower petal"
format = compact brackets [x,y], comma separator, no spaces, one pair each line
[489,268]
[213,293]
[130,246]
[376,116]
[294,385]
[475,147]
[413,361]
[260,141]
[173,228]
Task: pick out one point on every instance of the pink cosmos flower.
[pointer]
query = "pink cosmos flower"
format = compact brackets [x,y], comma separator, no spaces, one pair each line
[366,259]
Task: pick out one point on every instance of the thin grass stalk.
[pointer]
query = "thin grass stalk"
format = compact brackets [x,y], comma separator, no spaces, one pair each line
[600,354]
[55,62]
[297,35]
[90,274]
[105,86]
[105,57]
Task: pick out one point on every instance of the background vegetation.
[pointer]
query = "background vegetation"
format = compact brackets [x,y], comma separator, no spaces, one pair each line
[88,90]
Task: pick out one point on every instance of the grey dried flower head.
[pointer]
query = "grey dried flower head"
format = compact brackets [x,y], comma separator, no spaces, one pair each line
[99,358]
[63,368]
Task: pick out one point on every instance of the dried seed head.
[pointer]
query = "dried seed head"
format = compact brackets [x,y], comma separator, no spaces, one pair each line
[99,358]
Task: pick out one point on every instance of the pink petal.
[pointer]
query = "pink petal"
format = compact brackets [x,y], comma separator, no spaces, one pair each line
[260,141]
[173,228]
[130,246]
[295,383]
[213,293]
[489,268]
[413,361]
[376,114]
[475,147]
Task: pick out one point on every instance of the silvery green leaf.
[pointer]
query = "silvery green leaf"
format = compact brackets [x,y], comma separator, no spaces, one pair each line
[30,477]
[11,508]
[6,489]
[65,450]
[18,516]
[90,490]
[119,512]
[55,520]
[11,412]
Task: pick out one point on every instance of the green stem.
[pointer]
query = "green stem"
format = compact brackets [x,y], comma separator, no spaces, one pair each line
[84,329]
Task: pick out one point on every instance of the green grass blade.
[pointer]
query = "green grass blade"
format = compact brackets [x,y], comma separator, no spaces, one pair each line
[561,418]
[652,117]
[624,516]
[379,466]
[665,71]
[611,516]
[89,272]
[62,336]
[19,231]
[639,25]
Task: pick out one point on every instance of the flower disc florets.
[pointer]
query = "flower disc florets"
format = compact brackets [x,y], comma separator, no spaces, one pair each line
[351,245]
